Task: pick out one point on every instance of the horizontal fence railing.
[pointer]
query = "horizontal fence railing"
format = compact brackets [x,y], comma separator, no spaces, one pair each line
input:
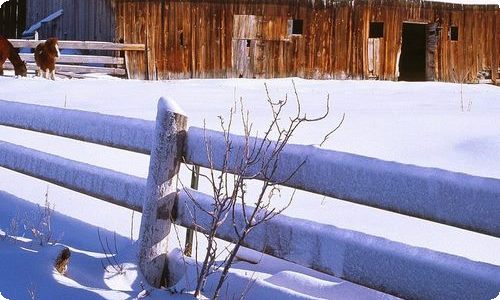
[455,199]
[72,65]
[72,59]
[452,198]
[378,263]
[82,45]
[108,185]
[114,131]
[75,69]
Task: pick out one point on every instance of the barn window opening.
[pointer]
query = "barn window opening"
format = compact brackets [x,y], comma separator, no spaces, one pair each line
[454,33]
[376,30]
[296,26]
[249,42]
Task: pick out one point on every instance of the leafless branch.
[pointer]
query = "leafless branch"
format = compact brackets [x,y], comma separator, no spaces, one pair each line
[253,157]
[327,136]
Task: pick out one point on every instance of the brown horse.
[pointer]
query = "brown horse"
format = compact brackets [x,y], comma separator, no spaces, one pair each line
[8,51]
[45,58]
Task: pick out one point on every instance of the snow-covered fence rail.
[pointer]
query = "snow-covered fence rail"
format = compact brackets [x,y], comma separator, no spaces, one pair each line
[113,131]
[455,199]
[114,187]
[154,196]
[395,268]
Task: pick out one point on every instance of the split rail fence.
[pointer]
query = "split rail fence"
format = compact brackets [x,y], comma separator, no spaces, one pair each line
[455,199]
[73,64]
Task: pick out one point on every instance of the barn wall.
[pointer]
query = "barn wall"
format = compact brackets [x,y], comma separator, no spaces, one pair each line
[250,38]
[12,18]
[206,39]
[199,38]
[91,20]
[460,61]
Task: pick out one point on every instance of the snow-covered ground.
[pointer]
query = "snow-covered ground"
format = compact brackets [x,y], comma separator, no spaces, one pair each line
[440,125]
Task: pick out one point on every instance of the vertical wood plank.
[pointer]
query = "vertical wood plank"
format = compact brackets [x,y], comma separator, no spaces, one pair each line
[161,191]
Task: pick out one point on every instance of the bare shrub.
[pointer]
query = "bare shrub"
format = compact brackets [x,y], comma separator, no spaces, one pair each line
[32,291]
[110,254]
[14,226]
[258,157]
[465,104]
[39,223]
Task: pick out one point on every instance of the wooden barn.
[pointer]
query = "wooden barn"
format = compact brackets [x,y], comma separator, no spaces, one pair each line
[358,39]
[12,18]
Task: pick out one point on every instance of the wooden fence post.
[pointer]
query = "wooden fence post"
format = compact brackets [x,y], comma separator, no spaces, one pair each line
[161,191]
[195,179]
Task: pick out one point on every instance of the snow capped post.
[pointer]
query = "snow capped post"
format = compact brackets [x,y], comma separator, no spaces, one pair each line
[161,191]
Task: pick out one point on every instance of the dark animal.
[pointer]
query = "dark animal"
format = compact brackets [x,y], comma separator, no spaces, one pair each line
[8,51]
[45,58]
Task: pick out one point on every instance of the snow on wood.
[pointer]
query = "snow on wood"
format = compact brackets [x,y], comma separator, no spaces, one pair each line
[161,190]
[31,31]
[184,269]
[456,199]
[167,104]
[111,186]
[114,131]
[395,268]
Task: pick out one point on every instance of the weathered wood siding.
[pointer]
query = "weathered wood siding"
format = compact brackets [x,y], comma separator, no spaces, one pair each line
[84,20]
[12,18]
[242,38]
[252,38]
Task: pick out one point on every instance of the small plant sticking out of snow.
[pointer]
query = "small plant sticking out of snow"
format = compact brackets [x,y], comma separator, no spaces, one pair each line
[40,223]
[257,157]
[31,291]
[465,104]
[37,223]
[13,229]
[112,265]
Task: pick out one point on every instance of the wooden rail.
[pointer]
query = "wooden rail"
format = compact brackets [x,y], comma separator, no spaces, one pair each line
[74,70]
[81,45]
[74,59]
[113,131]
[81,64]
[432,194]
[402,270]
[108,185]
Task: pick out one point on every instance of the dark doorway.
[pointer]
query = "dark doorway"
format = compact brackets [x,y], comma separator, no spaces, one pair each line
[412,63]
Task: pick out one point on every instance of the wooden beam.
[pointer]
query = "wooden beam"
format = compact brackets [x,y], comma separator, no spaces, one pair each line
[36,26]
[450,198]
[371,261]
[80,177]
[79,59]
[129,134]
[75,69]
[161,191]
[85,45]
